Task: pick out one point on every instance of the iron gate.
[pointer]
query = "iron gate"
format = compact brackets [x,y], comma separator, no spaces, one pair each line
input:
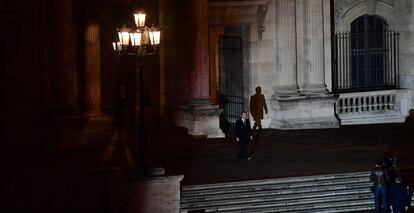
[231,77]
[366,58]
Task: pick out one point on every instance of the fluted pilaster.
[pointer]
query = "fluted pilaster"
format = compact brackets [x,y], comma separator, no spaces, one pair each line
[286,48]
[92,69]
[311,67]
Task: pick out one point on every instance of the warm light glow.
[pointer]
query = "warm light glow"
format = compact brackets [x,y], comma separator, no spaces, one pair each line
[135,38]
[145,37]
[116,46]
[123,37]
[139,19]
[155,35]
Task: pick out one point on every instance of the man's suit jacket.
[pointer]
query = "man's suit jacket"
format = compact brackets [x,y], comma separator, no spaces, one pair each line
[243,131]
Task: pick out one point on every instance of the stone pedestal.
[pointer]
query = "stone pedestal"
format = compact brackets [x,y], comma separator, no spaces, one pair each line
[197,113]
[157,194]
[199,119]
[304,112]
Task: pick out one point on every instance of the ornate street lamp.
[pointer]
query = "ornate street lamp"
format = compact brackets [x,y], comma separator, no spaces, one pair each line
[139,41]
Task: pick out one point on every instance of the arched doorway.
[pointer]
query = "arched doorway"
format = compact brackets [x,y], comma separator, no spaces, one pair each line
[231,73]
[369,51]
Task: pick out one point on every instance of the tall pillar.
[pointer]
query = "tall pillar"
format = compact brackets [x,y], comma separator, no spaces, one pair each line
[92,64]
[286,48]
[65,66]
[198,114]
[199,73]
[68,122]
[311,42]
[314,108]
[406,48]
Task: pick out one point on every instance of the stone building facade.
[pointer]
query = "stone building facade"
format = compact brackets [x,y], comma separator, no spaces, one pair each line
[289,49]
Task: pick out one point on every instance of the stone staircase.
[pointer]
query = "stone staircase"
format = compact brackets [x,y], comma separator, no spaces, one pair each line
[347,192]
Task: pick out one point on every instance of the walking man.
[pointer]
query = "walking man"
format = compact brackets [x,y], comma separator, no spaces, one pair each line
[379,177]
[257,105]
[243,135]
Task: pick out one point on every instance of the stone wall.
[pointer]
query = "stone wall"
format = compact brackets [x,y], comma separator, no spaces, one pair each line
[263,60]
[292,58]
[292,63]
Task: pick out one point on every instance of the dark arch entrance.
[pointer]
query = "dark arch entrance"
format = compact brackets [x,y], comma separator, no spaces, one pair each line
[231,73]
[369,51]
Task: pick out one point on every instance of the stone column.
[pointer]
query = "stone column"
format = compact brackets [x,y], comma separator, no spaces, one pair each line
[311,41]
[199,73]
[286,48]
[406,48]
[315,108]
[198,114]
[69,123]
[65,76]
[92,64]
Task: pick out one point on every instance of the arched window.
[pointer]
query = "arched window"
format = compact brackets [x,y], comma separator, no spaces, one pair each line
[368,51]
[367,57]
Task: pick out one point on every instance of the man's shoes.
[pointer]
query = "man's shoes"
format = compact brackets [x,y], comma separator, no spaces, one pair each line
[248,158]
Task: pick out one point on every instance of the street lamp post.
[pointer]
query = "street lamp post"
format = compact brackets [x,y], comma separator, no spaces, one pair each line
[139,41]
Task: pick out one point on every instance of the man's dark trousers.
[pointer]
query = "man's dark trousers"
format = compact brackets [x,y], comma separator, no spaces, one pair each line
[243,132]
[380,192]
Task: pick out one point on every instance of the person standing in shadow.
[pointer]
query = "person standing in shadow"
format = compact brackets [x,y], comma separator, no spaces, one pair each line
[243,136]
[398,196]
[379,177]
[257,105]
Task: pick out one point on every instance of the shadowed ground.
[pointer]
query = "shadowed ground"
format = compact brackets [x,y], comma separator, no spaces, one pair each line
[76,180]
[279,153]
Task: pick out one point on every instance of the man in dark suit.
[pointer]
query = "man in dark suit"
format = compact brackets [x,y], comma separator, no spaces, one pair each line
[243,135]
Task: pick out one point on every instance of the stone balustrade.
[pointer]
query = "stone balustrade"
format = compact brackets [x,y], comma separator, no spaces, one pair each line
[356,103]
[371,107]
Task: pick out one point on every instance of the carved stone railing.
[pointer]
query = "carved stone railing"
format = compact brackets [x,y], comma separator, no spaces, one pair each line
[361,104]
[386,106]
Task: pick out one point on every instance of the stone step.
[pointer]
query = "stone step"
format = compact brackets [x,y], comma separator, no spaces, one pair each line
[366,205]
[317,185]
[363,206]
[283,199]
[278,181]
[347,192]
[283,194]
[299,205]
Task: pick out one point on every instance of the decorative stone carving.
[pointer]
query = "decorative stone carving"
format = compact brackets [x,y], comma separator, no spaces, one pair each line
[341,6]
[348,10]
